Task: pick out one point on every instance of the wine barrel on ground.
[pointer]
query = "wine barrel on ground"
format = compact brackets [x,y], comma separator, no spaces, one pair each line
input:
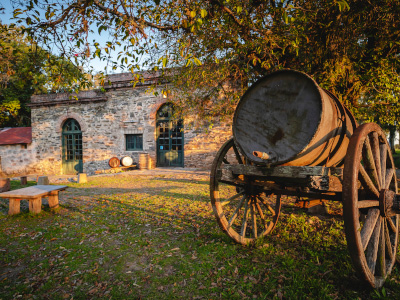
[114,162]
[144,161]
[126,161]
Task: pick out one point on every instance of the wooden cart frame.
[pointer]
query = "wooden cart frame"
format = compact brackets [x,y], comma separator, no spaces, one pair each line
[246,198]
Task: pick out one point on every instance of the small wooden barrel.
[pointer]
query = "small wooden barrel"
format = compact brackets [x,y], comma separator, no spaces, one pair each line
[126,161]
[144,161]
[285,118]
[114,162]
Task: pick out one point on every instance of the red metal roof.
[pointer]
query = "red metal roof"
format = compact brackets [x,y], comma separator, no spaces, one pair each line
[18,135]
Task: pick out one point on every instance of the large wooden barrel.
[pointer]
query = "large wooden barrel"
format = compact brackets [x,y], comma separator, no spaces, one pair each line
[287,116]
[126,161]
[144,161]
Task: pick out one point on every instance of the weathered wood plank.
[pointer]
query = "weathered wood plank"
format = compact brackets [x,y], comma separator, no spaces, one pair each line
[233,173]
[366,182]
[35,205]
[388,242]
[53,199]
[388,177]
[235,214]
[372,248]
[369,163]
[383,152]
[369,225]
[261,215]
[14,206]
[254,220]
[244,222]
[266,204]
[392,225]
[376,155]
[32,192]
[367,203]
[381,257]
[227,201]
[279,171]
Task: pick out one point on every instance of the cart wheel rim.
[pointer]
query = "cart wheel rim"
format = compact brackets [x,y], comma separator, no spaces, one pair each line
[243,210]
[371,233]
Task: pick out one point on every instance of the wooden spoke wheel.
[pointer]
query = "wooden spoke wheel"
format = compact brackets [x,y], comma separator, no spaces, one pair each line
[244,211]
[369,188]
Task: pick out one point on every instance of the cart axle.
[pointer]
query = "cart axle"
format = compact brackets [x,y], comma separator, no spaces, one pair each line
[389,203]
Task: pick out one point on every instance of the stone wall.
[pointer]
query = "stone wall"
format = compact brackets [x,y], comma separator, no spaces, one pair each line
[105,118]
[203,143]
[15,159]
[103,124]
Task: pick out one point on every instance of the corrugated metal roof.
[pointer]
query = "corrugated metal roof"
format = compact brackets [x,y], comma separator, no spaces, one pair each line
[17,135]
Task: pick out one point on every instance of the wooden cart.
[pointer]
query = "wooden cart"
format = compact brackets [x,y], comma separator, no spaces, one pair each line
[357,169]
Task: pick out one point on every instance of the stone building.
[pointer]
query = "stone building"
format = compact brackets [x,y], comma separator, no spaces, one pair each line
[15,149]
[81,133]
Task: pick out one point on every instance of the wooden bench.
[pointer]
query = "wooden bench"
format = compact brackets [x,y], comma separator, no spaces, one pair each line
[34,195]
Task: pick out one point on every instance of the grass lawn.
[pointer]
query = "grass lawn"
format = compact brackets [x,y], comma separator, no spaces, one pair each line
[143,237]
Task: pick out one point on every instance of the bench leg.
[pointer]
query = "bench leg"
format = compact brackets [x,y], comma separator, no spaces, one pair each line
[35,205]
[14,206]
[53,200]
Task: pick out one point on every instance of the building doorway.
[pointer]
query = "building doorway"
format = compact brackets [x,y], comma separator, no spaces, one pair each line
[72,147]
[169,138]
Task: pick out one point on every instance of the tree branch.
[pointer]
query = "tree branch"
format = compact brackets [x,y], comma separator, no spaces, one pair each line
[136,20]
[237,22]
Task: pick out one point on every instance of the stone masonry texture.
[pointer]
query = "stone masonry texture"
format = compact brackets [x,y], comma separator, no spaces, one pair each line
[105,118]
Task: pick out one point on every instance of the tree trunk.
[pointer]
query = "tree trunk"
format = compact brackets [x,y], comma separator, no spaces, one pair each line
[392,135]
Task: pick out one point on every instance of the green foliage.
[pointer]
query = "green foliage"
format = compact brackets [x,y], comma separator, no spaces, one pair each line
[27,69]
[350,47]
[396,158]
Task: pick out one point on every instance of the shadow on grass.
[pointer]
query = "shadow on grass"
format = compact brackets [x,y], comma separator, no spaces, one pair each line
[183,213]
[192,222]
[206,182]
[123,192]
[298,265]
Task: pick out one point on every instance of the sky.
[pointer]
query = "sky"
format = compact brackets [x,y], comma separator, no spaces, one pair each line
[6,18]
[6,13]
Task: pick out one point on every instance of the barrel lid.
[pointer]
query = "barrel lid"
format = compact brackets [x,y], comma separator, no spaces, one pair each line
[278,115]
[126,161]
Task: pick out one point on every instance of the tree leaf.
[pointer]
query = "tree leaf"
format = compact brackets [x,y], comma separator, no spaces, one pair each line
[285,18]
[197,61]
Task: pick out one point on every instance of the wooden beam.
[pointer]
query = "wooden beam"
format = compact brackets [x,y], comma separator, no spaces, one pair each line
[14,206]
[35,205]
[282,171]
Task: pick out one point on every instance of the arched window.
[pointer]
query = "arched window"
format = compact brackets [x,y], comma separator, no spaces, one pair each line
[165,111]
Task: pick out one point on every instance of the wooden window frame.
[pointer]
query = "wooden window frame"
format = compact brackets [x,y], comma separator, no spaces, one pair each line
[134,142]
